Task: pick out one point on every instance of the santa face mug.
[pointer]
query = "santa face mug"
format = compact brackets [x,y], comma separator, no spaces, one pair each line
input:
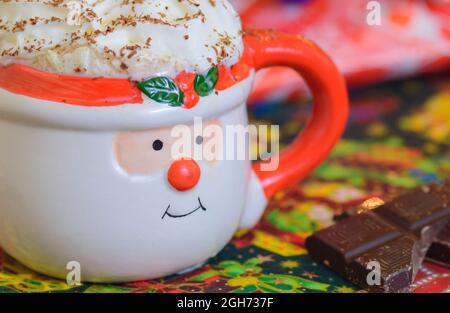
[86,170]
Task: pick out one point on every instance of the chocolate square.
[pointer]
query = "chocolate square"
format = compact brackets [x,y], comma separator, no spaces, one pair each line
[396,236]
[398,261]
[415,210]
[340,243]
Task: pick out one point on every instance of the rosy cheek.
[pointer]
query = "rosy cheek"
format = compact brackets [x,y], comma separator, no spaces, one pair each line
[136,156]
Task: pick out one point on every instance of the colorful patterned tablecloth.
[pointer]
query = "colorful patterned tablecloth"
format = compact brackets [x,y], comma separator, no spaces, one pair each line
[398,137]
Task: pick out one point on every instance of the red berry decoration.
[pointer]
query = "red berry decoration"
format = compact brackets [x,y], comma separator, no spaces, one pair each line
[185,82]
[226,79]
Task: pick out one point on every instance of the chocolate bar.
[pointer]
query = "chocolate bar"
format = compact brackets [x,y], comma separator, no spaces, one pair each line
[390,241]
[439,252]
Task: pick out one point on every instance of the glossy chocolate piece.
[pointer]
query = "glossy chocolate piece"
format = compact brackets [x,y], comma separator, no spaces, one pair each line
[398,263]
[340,243]
[396,235]
[414,210]
[439,251]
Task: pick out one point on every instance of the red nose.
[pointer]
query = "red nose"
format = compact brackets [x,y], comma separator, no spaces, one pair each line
[184,174]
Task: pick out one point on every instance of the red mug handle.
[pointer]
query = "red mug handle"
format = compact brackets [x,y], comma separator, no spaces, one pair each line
[330,112]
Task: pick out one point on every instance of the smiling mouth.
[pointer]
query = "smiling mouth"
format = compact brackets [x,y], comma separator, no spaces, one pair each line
[200,207]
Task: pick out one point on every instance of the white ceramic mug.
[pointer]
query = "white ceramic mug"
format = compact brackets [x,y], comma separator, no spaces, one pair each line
[92,184]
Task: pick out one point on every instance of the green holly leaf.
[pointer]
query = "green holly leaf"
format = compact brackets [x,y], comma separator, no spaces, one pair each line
[162,90]
[204,84]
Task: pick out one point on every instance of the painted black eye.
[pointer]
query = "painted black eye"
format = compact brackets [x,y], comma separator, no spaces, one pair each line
[199,140]
[158,145]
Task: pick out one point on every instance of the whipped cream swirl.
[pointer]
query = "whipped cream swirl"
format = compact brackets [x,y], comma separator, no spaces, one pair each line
[133,39]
